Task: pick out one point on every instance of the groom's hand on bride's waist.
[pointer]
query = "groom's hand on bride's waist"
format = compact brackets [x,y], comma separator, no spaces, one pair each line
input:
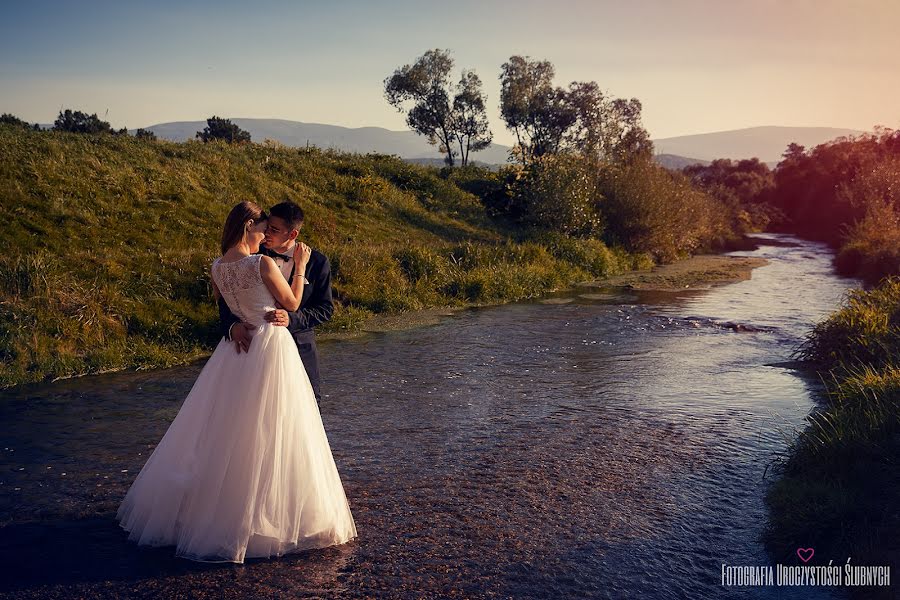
[278,317]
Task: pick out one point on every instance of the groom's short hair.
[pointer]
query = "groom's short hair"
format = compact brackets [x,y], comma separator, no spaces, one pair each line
[289,212]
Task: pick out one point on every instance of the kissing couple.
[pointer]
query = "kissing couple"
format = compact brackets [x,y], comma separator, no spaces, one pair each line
[245,469]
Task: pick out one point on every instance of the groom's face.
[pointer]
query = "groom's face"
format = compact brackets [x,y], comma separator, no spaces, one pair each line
[278,233]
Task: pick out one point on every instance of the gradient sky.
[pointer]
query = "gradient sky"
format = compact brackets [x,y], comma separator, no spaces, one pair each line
[697,66]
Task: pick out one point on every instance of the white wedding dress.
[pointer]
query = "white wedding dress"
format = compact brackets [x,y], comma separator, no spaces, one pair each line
[245,469]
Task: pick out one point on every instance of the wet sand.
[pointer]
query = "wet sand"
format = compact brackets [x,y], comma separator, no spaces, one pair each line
[698,272]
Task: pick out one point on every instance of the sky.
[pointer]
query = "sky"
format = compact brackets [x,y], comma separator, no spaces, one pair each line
[696,66]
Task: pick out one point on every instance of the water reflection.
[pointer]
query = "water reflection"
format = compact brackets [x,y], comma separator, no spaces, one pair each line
[586,449]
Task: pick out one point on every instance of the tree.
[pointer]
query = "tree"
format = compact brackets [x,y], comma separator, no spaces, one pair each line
[743,187]
[223,129]
[470,122]
[538,114]
[625,139]
[79,122]
[145,134]
[550,120]
[445,118]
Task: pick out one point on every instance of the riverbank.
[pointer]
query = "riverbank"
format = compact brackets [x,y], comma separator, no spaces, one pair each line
[697,272]
[111,239]
[838,485]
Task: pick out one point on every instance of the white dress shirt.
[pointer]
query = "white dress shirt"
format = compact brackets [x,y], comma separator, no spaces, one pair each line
[286,265]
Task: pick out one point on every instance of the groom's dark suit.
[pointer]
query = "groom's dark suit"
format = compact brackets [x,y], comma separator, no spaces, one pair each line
[316,307]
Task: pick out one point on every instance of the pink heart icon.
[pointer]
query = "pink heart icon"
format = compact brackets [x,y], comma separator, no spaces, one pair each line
[805,554]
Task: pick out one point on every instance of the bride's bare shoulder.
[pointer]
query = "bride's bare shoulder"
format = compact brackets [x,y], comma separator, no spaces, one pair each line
[267,265]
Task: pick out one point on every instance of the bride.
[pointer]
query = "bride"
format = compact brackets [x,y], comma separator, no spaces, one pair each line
[245,469]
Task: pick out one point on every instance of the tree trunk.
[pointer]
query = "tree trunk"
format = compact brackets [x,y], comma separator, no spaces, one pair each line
[448,146]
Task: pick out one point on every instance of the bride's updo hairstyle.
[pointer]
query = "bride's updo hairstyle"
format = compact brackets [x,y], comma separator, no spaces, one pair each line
[236,223]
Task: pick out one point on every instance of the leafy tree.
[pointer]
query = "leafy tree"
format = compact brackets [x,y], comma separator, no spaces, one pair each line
[538,114]
[809,183]
[445,118]
[79,122]
[744,186]
[606,129]
[624,136]
[145,134]
[550,120]
[846,192]
[470,122]
[223,129]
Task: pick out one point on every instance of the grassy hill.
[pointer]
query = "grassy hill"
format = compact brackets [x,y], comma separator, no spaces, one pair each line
[107,243]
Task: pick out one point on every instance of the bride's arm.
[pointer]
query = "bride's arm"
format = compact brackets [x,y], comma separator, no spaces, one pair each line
[289,296]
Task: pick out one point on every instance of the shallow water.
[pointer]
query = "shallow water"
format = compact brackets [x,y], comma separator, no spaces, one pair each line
[581,449]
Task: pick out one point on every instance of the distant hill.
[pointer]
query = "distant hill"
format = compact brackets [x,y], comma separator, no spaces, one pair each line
[405,144]
[766,143]
[673,161]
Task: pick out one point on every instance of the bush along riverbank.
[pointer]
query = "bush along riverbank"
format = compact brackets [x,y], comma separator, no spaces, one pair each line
[845,192]
[838,489]
[108,238]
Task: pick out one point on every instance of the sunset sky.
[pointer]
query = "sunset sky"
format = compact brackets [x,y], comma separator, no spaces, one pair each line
[697,66]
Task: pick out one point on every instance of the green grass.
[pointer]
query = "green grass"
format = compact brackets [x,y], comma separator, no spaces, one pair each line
[871,249]
[865,331]
[108,242]
[839,483]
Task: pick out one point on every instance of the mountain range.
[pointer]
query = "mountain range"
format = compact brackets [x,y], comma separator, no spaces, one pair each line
[766,143]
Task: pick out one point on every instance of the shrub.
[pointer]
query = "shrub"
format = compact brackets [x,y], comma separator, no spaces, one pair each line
[650,209]
[79,122]
[224,130]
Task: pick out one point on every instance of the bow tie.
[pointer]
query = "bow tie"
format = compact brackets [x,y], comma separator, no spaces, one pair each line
[284,257]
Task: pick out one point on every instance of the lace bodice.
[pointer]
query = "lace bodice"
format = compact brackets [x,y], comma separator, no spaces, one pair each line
[242,287]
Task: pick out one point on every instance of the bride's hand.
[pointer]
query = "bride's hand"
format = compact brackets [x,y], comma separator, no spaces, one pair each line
[302,252]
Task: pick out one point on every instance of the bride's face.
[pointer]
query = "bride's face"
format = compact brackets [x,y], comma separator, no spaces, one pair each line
[255,235]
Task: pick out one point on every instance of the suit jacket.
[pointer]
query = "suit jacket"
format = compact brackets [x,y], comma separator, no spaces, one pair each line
[316,306]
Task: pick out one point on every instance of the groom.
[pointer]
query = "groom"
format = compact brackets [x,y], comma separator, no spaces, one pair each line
[285,221]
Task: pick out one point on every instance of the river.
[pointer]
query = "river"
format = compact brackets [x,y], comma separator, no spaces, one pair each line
[576,446]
